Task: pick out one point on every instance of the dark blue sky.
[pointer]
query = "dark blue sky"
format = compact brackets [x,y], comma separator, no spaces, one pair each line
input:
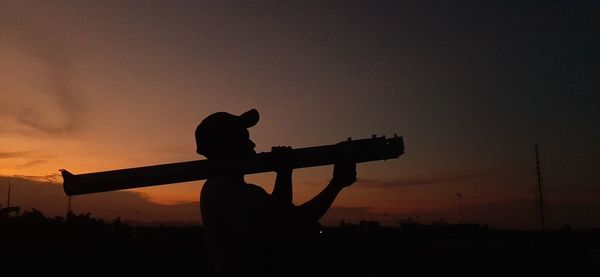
[472,86]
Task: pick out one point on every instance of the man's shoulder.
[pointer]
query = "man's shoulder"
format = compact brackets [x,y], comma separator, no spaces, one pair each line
[220,183]
[256,189]
[220,180]
[224,185]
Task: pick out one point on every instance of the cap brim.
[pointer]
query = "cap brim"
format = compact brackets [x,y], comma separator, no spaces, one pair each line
[249,118]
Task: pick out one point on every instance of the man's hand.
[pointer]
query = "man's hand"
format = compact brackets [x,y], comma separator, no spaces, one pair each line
[282,159]
[344,174]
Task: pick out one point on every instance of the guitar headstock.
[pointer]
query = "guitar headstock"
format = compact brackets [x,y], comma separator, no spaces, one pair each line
[374,148]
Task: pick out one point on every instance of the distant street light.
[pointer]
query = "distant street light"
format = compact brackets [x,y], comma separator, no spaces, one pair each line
[460,213]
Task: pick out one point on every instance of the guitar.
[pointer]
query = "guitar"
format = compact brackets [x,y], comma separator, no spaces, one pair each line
[357,151]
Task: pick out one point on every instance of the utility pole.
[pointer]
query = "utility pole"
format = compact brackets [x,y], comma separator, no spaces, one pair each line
[69,210]
[137,218]
[8,200]
[540,189]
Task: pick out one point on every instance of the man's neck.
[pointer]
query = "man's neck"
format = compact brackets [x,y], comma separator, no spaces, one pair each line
[220,160]
[237,178]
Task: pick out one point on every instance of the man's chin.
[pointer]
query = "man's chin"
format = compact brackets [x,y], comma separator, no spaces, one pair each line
[248,154]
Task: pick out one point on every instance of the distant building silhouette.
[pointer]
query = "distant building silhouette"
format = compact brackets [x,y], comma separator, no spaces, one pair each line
[8,210]
[439,222]
[369,227]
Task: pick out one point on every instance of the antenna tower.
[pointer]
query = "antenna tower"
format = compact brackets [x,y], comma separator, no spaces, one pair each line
[540,190]
[460,211]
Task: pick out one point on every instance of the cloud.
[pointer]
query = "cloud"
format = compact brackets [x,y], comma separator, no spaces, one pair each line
[10,155]
[349,214]
[415,181]
[522,213]
[46,194]
[39,56]
[30,163]
[23,158]
[357,214]
[68,103]
[512,213]
[50,178]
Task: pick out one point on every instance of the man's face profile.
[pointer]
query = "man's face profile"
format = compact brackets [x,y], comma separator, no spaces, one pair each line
[240,146]
[226,136]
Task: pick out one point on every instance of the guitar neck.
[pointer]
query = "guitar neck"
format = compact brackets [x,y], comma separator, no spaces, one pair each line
[358,151]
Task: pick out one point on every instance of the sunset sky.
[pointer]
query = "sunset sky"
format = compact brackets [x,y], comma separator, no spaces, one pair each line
[100,85]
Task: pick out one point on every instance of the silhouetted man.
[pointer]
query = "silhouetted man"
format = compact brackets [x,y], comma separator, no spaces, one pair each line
[241,219]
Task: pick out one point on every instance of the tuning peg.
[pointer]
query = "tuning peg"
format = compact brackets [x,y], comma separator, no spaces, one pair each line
[349,139]
[374,136]
[395,135]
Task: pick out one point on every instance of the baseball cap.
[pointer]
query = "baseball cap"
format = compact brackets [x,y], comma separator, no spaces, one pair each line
[219,127]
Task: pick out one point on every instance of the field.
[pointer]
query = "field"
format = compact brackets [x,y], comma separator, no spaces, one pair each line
[80,245]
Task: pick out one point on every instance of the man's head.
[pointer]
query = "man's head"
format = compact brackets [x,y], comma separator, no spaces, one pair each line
[223,135]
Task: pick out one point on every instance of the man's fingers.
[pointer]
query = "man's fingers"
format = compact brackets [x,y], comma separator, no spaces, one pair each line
[346,166]
[346,170]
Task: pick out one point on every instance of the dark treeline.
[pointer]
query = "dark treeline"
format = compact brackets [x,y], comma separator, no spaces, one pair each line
[80,245]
